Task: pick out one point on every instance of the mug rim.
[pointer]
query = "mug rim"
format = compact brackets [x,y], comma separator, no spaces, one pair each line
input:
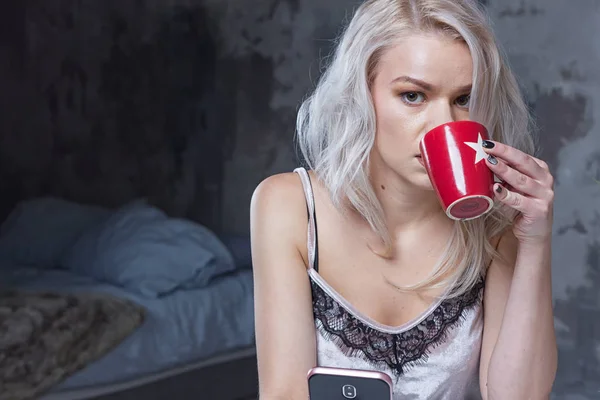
[453,123]
[473,196]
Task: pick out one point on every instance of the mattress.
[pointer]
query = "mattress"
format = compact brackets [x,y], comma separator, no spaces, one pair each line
[183,329]
[101,390]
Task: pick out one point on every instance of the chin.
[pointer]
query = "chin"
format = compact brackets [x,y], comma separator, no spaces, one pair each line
[421,183]
[426,186]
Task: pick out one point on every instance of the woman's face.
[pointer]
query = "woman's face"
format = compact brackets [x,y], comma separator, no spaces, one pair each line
[420,83]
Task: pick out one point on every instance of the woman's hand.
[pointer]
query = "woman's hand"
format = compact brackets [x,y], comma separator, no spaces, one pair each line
[528,187]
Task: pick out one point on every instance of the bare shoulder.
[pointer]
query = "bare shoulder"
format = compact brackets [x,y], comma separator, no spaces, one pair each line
[278,212]
[279,201]
[278,194]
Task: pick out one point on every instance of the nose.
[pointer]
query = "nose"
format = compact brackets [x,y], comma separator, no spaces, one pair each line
[442,113]
[439,114]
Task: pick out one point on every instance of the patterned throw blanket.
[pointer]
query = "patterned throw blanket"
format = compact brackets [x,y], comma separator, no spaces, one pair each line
[46,337]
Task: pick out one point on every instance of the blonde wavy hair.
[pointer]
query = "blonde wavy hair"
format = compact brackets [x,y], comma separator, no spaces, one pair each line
[336,123]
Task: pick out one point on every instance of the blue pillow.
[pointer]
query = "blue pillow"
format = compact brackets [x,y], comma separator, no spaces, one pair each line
[142,250]
[39,231]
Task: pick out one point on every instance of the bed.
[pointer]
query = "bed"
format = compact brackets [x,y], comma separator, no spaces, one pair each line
[186,332]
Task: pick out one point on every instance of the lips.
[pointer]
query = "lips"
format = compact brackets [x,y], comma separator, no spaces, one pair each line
[420,159]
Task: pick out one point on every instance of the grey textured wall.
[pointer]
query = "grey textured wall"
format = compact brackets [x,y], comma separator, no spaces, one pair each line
[67,130]
[104,102]
[559,69]
[272,49]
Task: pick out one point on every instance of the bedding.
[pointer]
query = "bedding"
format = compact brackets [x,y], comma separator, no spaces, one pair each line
[39,231]
[137,246]
[47,336]
[184,327]
[194,292]
[141,249]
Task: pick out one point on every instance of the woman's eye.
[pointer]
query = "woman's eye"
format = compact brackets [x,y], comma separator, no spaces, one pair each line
[463,101]
[413,97]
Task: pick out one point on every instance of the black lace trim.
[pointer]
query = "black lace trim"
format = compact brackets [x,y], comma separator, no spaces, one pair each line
[398,351]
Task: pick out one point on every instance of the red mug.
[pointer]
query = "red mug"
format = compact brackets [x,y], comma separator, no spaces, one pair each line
[455,162]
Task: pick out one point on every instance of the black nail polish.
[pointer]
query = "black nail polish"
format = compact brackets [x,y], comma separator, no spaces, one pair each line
[499,189]
[492,160]
[487,144]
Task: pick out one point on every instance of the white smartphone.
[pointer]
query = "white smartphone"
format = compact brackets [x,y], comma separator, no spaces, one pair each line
[326,383]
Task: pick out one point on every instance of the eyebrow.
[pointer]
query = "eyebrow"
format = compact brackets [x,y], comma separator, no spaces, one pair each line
[426,86]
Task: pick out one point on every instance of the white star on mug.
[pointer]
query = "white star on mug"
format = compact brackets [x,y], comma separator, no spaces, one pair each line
[480,153]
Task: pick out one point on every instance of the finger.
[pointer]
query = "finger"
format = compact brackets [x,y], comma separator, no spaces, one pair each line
[520,182]
[541,163]
[549,180]
[519,160]
[501,182]
[511,198]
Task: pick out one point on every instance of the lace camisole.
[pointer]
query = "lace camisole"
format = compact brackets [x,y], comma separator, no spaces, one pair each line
[434,356]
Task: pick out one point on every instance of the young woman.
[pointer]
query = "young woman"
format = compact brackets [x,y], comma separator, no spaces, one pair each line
[386,281]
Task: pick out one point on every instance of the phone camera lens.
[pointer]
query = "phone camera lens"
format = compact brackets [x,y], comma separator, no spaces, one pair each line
[349,391]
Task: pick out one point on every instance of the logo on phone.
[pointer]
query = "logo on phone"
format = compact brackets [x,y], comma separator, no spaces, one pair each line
[349,391]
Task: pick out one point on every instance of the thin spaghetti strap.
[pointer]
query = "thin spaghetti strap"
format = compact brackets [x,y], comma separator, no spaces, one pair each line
[312,239]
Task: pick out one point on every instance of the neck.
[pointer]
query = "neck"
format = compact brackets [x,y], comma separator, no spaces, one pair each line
[405,206]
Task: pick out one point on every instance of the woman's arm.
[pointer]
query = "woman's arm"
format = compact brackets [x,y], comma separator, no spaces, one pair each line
[519,357]
[519,352]
[285,332]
